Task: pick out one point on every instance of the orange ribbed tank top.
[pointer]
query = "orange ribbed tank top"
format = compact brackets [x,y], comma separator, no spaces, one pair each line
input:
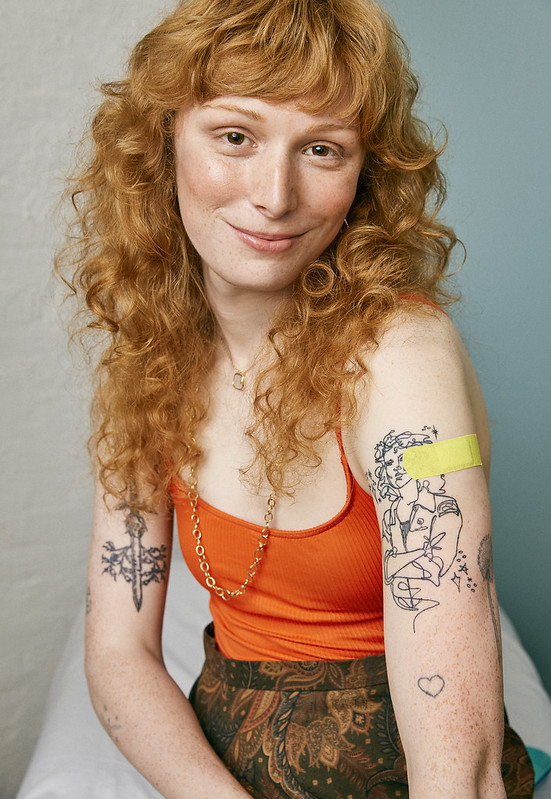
[317,594]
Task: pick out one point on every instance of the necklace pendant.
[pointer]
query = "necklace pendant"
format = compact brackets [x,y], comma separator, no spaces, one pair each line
[238,381]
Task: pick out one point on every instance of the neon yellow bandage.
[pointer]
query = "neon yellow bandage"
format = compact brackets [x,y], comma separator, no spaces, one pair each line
[442,457]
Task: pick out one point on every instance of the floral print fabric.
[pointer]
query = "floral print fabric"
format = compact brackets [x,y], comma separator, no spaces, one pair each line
[315,729]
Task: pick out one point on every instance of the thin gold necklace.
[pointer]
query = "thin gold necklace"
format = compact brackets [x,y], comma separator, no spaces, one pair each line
[238,379]
[225,593]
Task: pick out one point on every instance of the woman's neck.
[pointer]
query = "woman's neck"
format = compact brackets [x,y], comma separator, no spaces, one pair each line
[244,319]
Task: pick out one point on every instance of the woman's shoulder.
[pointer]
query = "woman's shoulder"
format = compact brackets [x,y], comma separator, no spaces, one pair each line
[418,376]
[420,367]
[417,331]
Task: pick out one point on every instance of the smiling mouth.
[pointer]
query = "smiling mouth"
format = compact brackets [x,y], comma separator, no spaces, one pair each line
[267,242]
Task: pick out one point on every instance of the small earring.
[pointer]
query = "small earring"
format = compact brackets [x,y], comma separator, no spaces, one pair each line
[346,223]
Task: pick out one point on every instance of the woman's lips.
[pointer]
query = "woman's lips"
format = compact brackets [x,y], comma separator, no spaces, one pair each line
[266,242]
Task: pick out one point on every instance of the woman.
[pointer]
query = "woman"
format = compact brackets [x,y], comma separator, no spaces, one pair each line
[259,247]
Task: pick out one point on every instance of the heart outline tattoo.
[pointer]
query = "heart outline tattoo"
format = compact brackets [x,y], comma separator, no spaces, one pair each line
[431,686]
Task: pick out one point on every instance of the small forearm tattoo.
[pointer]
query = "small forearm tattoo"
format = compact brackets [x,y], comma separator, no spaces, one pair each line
[485,565]
[137,564]
[431,686]
[420,528]
[110,726]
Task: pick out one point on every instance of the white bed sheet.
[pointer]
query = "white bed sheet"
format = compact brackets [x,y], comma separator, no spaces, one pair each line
[74,757]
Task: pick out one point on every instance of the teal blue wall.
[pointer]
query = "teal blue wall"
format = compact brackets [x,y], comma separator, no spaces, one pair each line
[485,67]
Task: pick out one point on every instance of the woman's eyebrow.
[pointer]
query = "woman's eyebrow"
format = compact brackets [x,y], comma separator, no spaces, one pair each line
[321,126]
[316,127]
[238,109]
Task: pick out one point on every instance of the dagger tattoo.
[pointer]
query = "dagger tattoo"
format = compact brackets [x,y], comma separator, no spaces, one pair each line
[137,564]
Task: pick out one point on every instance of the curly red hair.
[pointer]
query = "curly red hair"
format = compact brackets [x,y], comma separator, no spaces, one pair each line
[139,278]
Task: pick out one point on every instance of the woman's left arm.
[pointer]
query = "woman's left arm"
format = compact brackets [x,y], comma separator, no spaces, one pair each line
[442,637]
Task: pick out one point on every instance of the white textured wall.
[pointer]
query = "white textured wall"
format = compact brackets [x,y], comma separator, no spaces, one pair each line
[51,52]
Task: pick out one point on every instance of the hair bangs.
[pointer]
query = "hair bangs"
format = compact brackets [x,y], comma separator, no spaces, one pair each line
[312,82]
[322,55]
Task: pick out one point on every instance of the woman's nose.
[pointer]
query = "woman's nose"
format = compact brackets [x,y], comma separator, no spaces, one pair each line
[274,184]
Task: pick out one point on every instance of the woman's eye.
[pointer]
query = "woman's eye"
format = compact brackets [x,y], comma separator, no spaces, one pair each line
[233,137]
[322,150]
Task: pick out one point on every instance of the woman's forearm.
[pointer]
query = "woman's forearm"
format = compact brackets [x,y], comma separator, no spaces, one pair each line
[444,783]
[153,724]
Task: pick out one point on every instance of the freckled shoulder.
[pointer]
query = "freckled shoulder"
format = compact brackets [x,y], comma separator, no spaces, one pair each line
[423,341]
[420,370]
[413,334]
[407,344]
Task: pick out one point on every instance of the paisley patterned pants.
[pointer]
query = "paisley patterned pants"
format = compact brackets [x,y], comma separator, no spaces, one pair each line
[315,729]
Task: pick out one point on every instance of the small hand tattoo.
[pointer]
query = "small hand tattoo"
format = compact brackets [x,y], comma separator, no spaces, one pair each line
[431,686]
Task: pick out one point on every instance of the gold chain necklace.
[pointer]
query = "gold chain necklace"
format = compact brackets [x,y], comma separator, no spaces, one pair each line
[238,379]
[225,593]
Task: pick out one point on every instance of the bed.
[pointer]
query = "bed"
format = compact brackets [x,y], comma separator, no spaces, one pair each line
[74,757]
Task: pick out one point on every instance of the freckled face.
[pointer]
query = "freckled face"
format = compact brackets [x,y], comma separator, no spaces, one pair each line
[263,188]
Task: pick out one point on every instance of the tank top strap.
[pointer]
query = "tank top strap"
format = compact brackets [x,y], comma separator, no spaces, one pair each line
[347,471]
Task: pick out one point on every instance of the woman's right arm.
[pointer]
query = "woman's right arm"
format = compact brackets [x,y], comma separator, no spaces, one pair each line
[140,706]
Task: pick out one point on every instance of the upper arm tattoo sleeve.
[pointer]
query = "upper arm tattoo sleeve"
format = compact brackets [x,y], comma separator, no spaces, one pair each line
[420,528]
